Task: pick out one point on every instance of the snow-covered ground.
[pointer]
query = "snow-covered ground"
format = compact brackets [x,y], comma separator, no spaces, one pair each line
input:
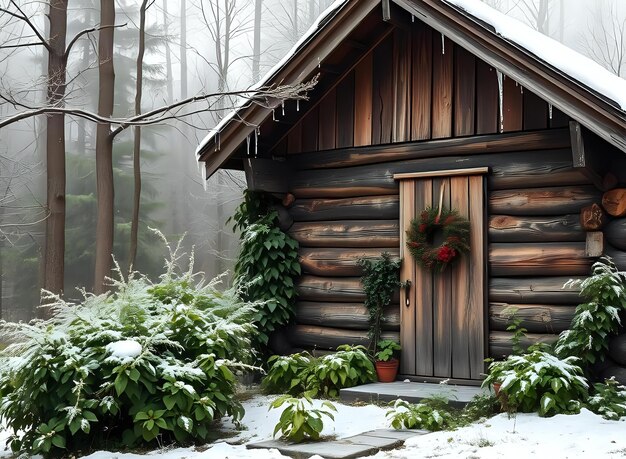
[523,436]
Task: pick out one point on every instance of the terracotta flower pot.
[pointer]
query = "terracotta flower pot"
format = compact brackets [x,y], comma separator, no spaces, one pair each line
[496,388]
[387,371]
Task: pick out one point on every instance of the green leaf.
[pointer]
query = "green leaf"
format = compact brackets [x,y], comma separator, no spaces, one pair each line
[58,441]
[120,383]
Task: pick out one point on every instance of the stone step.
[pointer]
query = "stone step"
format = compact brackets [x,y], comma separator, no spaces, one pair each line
[412,392]
[364,444]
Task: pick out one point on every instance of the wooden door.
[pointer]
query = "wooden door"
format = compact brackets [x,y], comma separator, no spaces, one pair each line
[443,315]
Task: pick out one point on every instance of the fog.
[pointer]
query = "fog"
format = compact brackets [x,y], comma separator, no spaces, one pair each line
[183,58]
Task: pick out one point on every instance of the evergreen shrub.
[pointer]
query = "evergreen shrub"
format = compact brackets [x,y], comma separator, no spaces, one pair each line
[147,364]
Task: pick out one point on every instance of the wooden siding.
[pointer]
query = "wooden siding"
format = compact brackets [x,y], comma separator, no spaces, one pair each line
[417,86]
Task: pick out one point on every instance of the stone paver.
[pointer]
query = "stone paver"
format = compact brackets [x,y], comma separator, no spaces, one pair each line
[409,391]
[364,444]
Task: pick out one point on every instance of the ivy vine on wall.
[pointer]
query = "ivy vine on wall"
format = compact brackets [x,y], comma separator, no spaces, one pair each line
[268,262]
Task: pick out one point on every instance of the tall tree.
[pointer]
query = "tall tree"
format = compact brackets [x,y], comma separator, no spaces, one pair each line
[55,151]
[134,228]
[104,147]
[168,55]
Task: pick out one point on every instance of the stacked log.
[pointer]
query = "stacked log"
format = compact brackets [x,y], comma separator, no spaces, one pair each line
[347,206]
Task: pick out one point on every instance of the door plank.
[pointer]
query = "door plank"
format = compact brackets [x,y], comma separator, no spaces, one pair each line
[461,285]
[423,288]
[442,292]
[476,305]
[407,271]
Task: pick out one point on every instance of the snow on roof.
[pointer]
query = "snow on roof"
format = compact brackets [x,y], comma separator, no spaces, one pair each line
[322,19]
[565,59]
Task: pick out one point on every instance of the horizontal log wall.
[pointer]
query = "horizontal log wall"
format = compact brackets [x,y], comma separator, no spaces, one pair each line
[536,243]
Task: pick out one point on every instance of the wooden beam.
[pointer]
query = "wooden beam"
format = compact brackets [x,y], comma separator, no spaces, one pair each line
[266,175]
[547,259]
[445,173]
[581,153]
[510,228]
[498,143]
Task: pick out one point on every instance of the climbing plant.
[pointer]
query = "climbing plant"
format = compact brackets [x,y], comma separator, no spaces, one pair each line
[598,318]
[267,264]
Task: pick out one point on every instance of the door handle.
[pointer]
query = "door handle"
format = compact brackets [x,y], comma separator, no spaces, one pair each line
[406,285]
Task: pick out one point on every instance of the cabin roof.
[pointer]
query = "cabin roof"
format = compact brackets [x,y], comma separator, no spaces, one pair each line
[573,83]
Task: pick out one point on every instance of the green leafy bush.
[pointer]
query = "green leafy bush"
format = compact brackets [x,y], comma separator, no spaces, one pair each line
[386,349]
[148,362]
[299,421]
[609,400]
[380,280]
[429,415]
[267,264]
[538,381]
[348,367]
[596,320]
[288,374]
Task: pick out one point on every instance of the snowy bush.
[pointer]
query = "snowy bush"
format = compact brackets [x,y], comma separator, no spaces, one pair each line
[288,374]
[596,320]
[299,374]
[150,362]
[427,415]
[348,367]
[538,381]
[609,400]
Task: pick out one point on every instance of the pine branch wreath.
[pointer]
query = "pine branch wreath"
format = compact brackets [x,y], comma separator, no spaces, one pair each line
[421,233]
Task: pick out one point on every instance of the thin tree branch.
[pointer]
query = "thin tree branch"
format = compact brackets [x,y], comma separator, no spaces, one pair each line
[86,31]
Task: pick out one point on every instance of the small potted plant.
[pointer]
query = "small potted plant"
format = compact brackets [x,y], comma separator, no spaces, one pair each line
[386,363]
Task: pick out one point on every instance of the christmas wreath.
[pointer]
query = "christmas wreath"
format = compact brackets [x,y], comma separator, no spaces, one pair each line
[422,231]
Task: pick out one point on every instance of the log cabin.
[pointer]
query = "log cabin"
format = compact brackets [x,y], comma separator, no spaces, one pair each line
[419,100]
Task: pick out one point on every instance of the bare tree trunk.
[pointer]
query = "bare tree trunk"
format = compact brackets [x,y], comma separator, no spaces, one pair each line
[183,49]
[134,226]
[104,148]
[168,56]
[256,53]
[55,154]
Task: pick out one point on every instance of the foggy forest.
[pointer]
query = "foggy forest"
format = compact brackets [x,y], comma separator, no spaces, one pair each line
[162,53]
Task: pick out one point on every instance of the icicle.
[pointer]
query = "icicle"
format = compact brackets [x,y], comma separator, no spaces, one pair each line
[521,89]
[412,18]
[501,97]
[204,184]
[283,105]
[273,115]
[319,63]
[297,105]
[219,140]
[550,110]
[443,44]
[198,165]
[256,142]
[248,145]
